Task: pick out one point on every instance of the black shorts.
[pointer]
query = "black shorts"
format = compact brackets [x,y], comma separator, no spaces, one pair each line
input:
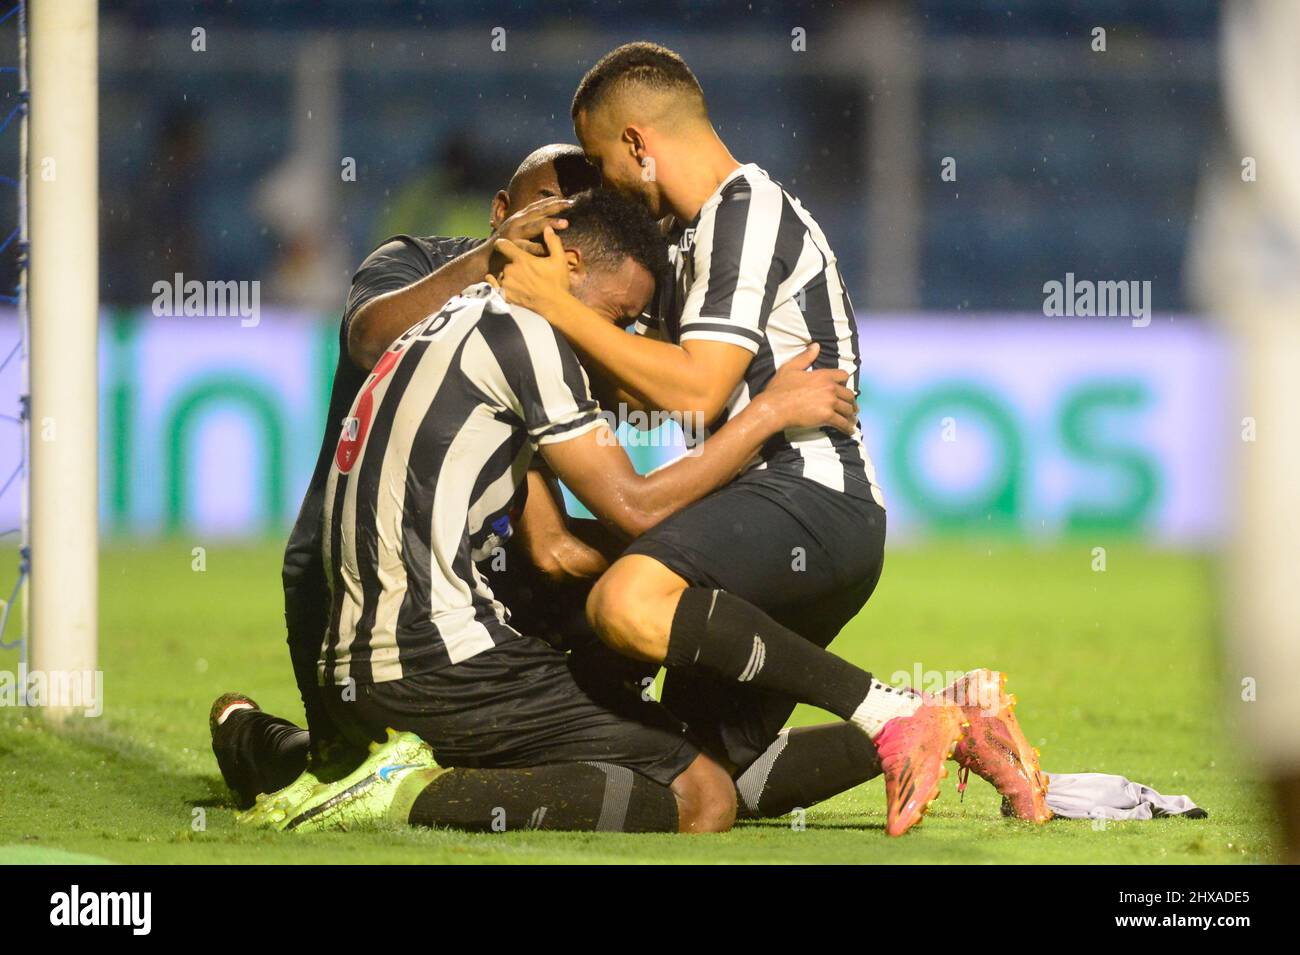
[807,555]
[523,703]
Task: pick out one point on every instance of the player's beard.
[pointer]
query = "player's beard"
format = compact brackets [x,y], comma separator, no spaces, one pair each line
[652,199]
[646,193]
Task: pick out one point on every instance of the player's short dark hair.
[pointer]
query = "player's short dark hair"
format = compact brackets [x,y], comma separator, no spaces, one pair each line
[608,227]
[637,64]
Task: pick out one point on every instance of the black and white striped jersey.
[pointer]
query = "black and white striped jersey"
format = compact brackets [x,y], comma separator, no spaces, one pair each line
[399,262]
[753,269]
[428,471]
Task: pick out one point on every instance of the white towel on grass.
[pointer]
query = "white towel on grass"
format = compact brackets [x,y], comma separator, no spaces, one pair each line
[1103,796]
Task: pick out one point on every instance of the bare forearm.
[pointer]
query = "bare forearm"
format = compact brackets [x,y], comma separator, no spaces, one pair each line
[602,476]
[575,560]
[561,556]
[379,322]
[672,487]
[546,538]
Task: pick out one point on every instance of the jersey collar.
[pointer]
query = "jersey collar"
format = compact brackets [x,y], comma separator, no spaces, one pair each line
[716,196]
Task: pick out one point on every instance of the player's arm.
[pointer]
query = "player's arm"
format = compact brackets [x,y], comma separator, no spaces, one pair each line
[601,475]
[694,379]
[613,395]
[556,552]
[377,323]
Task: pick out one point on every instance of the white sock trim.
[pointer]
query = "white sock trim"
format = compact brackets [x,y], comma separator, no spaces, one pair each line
[882,704]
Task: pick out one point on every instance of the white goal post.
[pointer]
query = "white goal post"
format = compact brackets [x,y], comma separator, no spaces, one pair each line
[63,299]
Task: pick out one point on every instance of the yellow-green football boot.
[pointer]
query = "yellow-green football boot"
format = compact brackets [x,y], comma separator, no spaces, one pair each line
[270,808]
[381,789]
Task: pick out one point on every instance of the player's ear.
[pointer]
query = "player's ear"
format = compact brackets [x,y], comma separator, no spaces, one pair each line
[500,208]
[635,143]
[573,259]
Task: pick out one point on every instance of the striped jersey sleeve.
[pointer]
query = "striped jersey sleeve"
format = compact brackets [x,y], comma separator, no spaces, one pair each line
[544,385]
[729,299]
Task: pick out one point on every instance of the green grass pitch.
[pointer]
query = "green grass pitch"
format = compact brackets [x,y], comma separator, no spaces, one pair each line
[1116,671]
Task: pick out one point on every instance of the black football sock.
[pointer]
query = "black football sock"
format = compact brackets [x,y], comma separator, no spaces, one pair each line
[804,766]
[587,797]
[259,753]
[728,636]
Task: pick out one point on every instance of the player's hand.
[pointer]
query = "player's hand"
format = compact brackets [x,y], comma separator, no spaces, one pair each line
[527,224]
[812,399]
[530,280]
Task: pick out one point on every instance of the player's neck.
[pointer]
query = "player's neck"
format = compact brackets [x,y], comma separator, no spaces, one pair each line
[709,168]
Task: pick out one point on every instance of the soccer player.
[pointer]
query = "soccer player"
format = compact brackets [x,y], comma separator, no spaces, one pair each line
[403,281]
[738,594]
[427,479]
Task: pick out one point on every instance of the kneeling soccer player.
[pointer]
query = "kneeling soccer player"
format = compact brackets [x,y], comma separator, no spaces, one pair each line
[429,468]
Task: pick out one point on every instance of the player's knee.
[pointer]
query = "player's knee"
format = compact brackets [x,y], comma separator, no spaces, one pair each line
[605,610]
[628,614]
[706,798]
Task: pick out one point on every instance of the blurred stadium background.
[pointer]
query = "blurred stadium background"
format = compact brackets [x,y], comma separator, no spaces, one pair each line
[228,163]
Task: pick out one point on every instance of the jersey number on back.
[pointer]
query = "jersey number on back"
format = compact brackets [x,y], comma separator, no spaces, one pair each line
[355,427]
